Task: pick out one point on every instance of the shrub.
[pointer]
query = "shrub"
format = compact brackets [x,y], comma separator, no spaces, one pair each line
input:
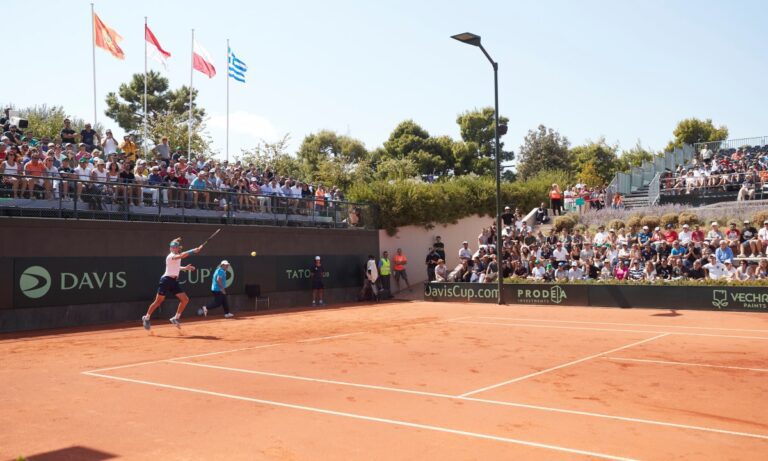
[669,218]
[688,218]
[634,220]
[759,217]
[615,224]
[650,221]
[567,221]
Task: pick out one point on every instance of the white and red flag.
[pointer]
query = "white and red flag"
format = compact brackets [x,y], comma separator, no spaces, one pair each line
[155,50]
[201,60]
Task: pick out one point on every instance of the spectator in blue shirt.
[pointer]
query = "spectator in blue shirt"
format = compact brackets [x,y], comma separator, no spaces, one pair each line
[724,252]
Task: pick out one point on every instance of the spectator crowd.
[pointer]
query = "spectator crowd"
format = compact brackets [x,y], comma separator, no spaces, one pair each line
[742,170]
[82,165]
[636,254]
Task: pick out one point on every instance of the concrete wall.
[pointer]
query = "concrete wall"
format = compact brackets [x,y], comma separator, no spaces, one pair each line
[416,240]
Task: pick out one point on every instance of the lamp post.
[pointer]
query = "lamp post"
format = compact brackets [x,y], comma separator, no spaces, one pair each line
[472,39]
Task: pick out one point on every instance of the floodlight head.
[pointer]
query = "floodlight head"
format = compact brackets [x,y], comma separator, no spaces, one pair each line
[468,37]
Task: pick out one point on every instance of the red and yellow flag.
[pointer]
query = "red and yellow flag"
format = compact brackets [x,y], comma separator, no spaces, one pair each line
[107,38]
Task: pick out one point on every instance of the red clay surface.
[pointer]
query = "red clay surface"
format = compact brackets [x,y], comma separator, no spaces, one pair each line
[410,380]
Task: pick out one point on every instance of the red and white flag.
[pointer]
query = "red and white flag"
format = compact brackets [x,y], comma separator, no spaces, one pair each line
[201,60]
[155,50]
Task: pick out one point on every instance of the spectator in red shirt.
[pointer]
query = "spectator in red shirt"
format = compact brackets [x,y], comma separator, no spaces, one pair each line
[670,235]
[697,236]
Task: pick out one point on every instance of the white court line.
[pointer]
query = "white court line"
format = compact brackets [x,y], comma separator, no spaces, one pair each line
[130,365]
[665,362]
[521,378]
[393,422]
[678,333]
[487,401]
[619,324]
[331,337]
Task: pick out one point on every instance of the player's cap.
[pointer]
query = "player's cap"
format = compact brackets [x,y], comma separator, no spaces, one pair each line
[224,263]
[317,258]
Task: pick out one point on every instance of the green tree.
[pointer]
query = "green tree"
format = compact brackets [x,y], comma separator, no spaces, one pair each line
[543,149]
[175,126]
[326,146]
[633,157]
[599,157]
[126,107]
[693,130]
[407,137]
[272,155]
[477,127]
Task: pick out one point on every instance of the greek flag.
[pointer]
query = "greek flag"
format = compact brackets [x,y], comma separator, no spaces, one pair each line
[237,68]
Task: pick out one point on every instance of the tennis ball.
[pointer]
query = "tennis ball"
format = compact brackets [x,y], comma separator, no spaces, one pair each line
[253,253]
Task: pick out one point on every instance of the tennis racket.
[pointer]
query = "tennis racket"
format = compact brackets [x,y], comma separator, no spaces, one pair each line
[209,238]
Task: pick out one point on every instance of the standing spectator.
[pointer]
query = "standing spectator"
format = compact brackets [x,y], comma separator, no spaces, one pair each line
[464,251]
[431,262]
[67,134]
[317,282]
[163,151]
[556,200]
[439,247]
[110,144]
[371,277]
[400,261]
[88,136]
[385,270]
[129,148]
[507,218]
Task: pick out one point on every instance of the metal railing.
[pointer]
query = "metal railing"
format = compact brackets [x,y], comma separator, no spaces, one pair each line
[715,146]
[654,190]
[638,177]
[55,197]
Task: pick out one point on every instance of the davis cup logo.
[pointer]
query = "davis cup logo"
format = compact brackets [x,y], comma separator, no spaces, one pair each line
[230,277]
[35,282]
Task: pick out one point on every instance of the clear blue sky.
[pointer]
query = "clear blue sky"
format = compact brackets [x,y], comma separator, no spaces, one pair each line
[626,70]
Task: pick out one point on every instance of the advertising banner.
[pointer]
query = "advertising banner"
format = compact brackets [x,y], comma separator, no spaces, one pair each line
[736,298]
[61,281]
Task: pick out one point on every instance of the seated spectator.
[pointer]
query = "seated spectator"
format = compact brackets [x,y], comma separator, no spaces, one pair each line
[750,244]
[715,269]
[696,272]
[649,272]
[575,272]
[724,252]
[441,271]
[542,214]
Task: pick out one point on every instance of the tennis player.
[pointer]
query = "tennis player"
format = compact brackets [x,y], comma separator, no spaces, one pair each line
[169,282]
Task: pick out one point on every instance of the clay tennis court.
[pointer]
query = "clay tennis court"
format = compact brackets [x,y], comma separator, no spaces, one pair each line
[403,380]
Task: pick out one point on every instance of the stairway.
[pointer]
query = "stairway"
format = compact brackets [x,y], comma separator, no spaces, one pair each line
[637,199]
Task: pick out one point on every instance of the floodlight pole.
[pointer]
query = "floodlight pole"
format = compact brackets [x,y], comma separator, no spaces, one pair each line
[472,39]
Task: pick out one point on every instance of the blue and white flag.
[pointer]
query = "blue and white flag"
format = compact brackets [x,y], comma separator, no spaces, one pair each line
[237,68]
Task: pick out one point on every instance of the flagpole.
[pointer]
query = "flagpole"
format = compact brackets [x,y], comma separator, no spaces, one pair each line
[145,87]
[191,73]
[93,53]
[227,77]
